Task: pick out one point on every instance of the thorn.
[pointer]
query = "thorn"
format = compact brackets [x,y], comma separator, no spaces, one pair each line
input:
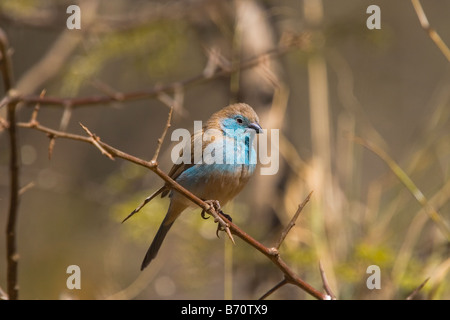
[230,235]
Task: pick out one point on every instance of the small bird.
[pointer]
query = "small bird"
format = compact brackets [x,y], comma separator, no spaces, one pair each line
[221,181]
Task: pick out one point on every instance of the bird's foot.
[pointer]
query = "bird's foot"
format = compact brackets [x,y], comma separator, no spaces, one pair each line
[212,203]
[221,224]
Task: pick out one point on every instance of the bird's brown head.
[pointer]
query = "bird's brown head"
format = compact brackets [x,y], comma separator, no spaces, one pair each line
[235,116]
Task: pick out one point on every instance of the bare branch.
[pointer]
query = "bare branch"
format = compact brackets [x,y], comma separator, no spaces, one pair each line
[51,146]
[215,61]
[163,135]
[95,141]
[26,188]
[293,220]
[6,65]
[414,293]
[429,30]
[326,286]
[36,108]
[12,256]
[145,94]
[275,288]
[3,295]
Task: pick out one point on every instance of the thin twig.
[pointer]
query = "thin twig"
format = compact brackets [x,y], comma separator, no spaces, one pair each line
[414,293]
[326,286]
[428,29]
[163,135]
[51,146]
[95,142]
[26,188]
[273,289]
[36,108]
[293,220]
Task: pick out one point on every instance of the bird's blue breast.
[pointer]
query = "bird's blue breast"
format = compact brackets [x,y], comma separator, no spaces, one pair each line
[224,156]
[221,177]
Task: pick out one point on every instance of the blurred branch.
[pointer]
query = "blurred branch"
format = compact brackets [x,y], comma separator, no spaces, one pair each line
[429,30]
[145,94]
[414,293]
[409,184]
[271,253]
[321,132]
[26,188]
[3,295]
[52,17]
[419,220]
[12,256]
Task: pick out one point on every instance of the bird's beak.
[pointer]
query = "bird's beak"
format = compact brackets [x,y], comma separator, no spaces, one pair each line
[255,126]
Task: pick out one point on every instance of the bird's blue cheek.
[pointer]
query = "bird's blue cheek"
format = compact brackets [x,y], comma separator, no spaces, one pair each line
[228,123]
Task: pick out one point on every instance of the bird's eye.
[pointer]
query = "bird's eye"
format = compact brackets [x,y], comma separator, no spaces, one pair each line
[239,120]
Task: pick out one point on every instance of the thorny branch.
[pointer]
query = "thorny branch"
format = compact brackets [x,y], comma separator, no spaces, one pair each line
[219,70]
[271,253]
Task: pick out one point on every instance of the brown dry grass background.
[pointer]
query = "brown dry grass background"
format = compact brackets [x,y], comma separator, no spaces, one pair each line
[391,87]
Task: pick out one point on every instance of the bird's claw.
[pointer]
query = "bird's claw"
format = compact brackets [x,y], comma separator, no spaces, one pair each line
[203,214]
[221,225]
[212,203]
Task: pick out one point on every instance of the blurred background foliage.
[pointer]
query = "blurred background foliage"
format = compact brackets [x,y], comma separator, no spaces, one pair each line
[389,86]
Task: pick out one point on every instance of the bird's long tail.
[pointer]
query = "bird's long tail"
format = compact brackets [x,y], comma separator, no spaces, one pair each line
[156,244]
